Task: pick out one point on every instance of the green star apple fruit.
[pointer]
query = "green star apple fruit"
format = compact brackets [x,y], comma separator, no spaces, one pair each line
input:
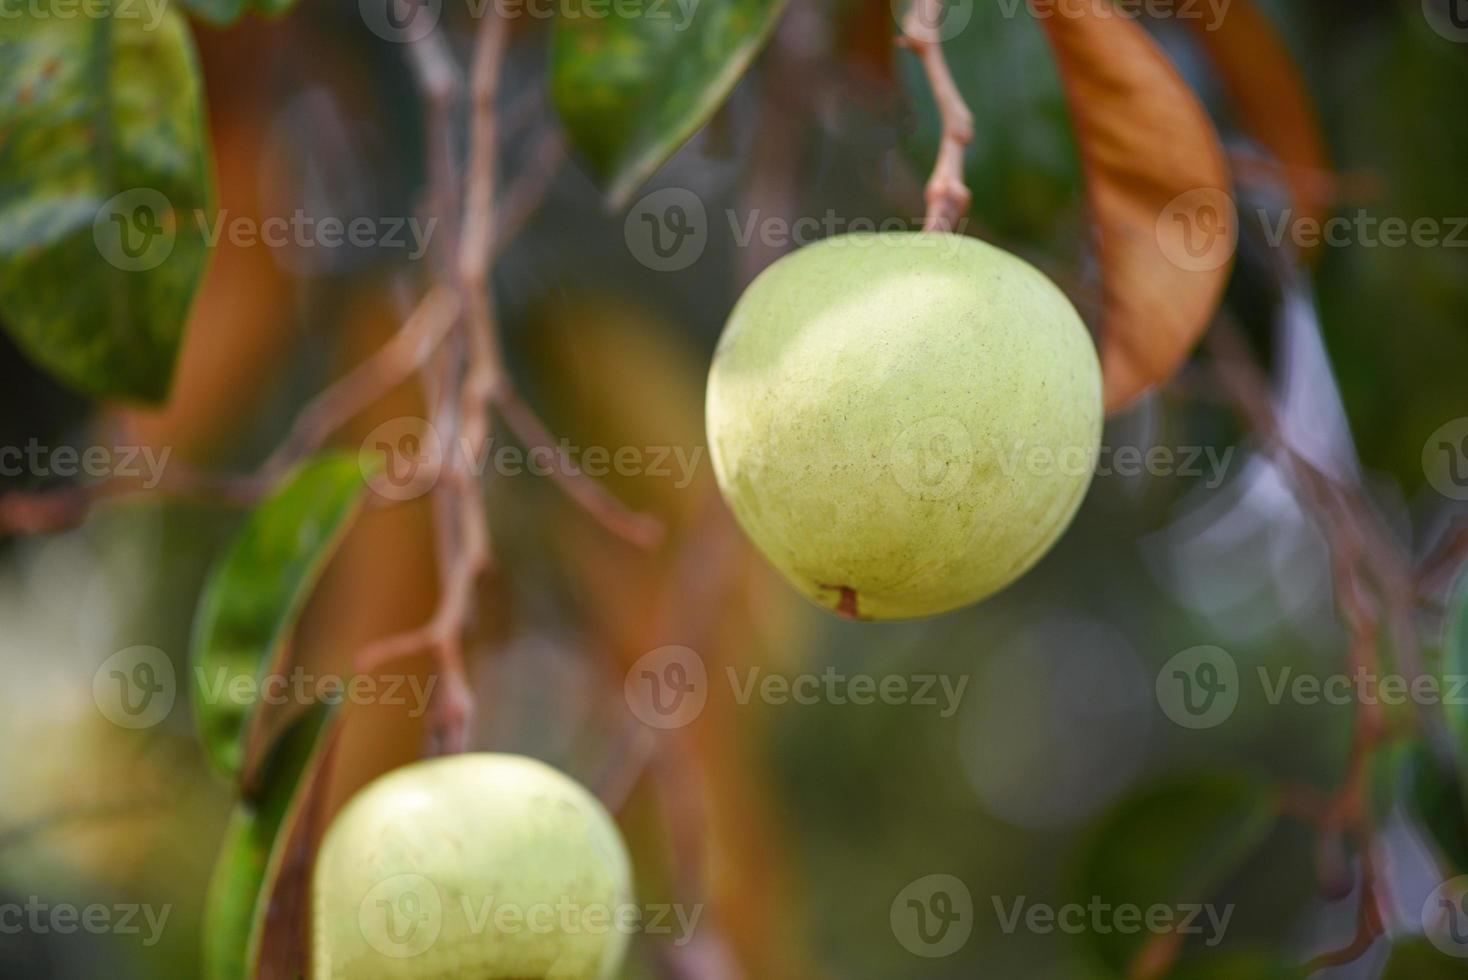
[490,866]
[903,423]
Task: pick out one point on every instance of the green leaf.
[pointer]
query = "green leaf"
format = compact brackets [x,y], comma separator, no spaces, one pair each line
[1022,165]
[1177,841]
[1430,791]
[103,173]
[1418,959]
[631,89]
[256,894]
[252,600]
[1238,966]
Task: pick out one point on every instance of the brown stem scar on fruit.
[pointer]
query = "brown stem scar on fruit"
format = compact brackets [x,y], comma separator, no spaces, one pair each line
[846,605]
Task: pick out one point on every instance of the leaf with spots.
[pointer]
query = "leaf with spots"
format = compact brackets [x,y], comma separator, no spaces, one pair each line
[631,89]
[103,170]
[251,602]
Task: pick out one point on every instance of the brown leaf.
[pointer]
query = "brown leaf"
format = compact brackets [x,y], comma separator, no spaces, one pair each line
[1159,193]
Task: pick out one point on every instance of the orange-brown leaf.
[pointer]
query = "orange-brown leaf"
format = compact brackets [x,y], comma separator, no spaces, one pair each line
[1158,188]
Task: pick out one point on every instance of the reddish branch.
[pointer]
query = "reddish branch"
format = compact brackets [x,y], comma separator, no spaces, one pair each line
[1375,587]
[606,510]
[947,195]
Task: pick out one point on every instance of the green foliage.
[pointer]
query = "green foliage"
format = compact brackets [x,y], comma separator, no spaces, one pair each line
[255,848]
[1430,790]
[631,89]
[1174,842]
[1418,959]
[256,592]
[103,169]
[1238,966]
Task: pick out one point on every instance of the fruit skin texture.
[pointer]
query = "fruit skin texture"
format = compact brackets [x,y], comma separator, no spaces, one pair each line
[413,870]
[903,423]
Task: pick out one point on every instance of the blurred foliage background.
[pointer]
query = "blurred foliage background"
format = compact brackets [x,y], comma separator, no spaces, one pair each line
[818,816]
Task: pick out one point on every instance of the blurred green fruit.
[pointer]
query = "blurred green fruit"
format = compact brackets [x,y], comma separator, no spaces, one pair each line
[483,865]
[903,423]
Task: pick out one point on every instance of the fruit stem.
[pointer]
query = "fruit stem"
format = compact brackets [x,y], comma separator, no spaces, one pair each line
[946,194]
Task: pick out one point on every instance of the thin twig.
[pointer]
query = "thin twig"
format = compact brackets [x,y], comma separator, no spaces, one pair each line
[642,530]
[392,364]
[947,195]
[1363,555]
[47,511]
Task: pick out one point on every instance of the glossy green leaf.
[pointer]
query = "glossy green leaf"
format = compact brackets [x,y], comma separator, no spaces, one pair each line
[1418,959]
[255,594]
[1431,792]
[1022,165]
[632,88]
[1175,842]
[263,864]
[103,175]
